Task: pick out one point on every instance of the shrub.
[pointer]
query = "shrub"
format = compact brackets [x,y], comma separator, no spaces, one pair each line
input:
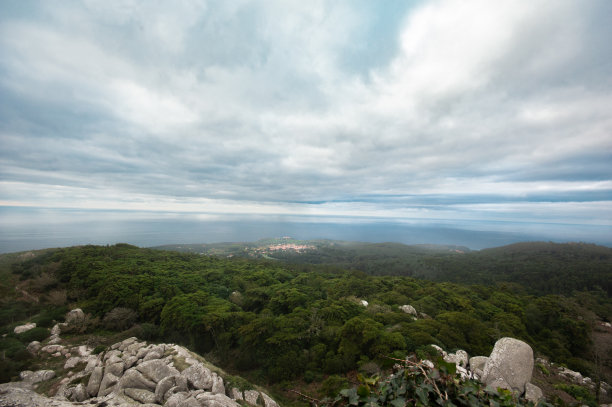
[34,334]
[332,385]
[417,384]
[119,319]
[98,349]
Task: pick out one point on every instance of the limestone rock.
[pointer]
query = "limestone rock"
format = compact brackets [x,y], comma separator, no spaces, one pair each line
[34,347]
[177,382]
[268,402]
[123,345]
[24,328]
[114,368]
[364,303]
[198,376]
[52,348]
[156,369]
[76,316]
[72,362]
[93,386]
[217,400]
[36,377]
[236,394]
[533,392]
[478,362]
[182,400]
[152,356]
[460,358]
[408,309]
[511,361]
[108,384]
[251,396]
[79,393]
[439,349]
[132,378]
[140,395]
[217,386]
[56,330]
[54,340]
[130,361]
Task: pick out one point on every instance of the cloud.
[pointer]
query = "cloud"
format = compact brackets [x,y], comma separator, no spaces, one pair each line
[257,106]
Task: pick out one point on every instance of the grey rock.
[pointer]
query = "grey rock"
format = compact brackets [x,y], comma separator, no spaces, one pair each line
[408,309]
[72,362]
[36,377]
[268,402]
[108,384]
[460,358]
[93,386]
[134,348]
[439,349]
[142,352]
[140,395]
[114,368]
[152,356]
[92,362]
[156,369]
[511,361]
[251,396]
[113,359]
[54,340]
[130,361]
[217,386]
[123,345]
[76,316]
[56,330]
[163,386]
[80,393]
[34,347]
[52,348]
[176,400]
[112,354]
[24,328]
[236,394]
[216,400]
[478,362]
[132,378]
[533,392]
[499,383]
[198,376]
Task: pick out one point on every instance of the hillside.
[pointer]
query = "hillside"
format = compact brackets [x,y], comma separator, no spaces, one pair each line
[288,326]
[540,267]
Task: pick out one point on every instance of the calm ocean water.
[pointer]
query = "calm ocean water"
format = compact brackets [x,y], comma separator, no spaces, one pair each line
[28,229]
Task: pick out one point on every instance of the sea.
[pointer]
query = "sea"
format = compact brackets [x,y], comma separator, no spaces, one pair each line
[23,229]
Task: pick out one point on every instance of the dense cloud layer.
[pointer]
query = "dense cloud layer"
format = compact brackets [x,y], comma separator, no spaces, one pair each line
[438,109]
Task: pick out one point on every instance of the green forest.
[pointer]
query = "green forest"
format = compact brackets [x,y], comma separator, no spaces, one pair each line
[278,322]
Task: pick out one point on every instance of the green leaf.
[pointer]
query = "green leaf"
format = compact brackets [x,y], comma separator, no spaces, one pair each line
[398,402]
[363,391]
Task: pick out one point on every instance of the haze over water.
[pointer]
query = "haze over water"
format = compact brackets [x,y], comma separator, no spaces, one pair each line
[58,228]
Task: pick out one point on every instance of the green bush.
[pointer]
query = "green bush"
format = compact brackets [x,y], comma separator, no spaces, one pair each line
[579,393]
[98,349]
[34,334]
[417,384]
[333,384]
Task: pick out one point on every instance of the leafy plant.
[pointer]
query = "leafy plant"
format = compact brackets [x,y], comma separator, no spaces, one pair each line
[417,384]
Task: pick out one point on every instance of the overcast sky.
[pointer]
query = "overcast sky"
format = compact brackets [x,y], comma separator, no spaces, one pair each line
[443,109]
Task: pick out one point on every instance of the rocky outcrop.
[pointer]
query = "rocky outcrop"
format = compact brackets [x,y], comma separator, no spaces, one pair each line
[24,328]
[510,365]
[36,377]
[130,372]
[408,309]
